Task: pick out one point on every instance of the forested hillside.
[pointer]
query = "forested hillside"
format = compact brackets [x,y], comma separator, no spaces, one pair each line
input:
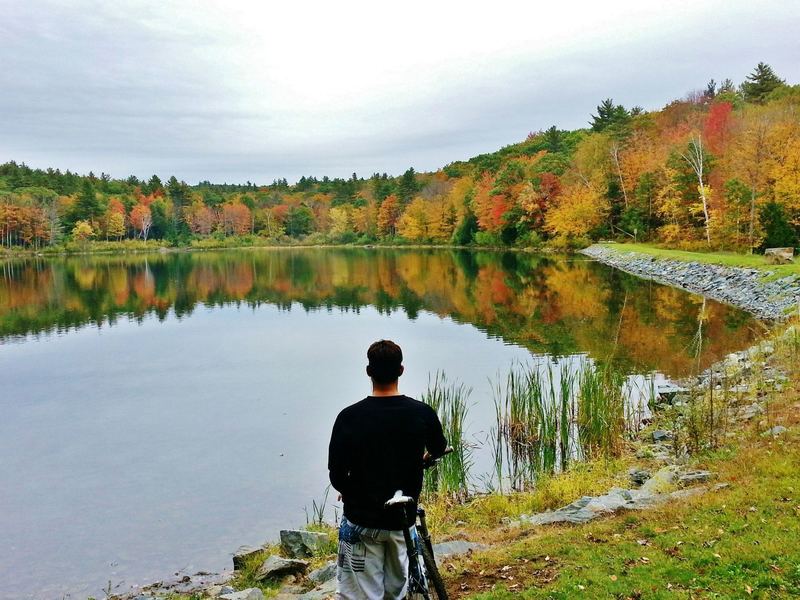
[719,168]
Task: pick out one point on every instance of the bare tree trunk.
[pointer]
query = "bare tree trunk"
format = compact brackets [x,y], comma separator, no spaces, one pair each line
[615,156]
[695,160]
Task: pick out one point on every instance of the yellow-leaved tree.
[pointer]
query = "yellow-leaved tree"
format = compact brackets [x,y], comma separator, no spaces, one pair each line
[341,221]
[413,223]
[580,209]
[787,181]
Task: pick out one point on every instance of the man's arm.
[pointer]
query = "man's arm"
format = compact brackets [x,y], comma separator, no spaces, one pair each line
[435,443]
[338,458]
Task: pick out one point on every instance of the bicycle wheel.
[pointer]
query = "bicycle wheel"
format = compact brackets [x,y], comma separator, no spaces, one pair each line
[435,583]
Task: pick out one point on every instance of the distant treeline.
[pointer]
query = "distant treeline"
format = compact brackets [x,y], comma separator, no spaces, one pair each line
[719,168]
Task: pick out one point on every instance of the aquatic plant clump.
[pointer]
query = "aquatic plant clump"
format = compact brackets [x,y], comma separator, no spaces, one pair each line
[548,417]
[450,475]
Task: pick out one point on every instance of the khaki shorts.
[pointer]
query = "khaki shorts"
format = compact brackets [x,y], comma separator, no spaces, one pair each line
[372,563]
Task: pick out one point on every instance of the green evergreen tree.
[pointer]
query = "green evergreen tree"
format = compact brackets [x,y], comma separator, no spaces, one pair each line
[464,234]
[408,186]
[162,226]
[778,232]
[299,221]
[179,194]
[153,185]
[552,139]
[88,207]
[610,115]
[760,83]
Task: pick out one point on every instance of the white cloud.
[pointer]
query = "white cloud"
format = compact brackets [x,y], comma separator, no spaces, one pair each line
[257,90]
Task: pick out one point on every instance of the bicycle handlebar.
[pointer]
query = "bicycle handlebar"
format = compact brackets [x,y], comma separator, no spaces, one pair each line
[431,461]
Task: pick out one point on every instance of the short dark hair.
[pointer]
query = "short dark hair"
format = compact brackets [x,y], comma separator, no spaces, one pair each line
[385,361]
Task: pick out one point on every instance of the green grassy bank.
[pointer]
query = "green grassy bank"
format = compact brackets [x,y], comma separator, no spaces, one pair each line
[727,259]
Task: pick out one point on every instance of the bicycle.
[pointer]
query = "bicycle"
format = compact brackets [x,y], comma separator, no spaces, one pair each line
[422,570]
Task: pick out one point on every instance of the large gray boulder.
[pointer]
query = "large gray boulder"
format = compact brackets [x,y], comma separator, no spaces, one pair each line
[242,555]
[779,256]
[658,489]
[302,544]
[277,566]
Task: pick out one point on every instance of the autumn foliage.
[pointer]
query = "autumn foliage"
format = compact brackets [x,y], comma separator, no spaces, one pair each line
[719,168]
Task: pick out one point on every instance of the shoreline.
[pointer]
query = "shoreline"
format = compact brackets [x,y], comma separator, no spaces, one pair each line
[753,290]
[6,254]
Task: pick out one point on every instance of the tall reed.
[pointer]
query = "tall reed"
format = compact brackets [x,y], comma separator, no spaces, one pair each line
[546,417]
[451,474]
[601,410]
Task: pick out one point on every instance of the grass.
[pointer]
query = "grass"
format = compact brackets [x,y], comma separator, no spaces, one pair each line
[728,259]
[735,543]
[480,516]
[741,541]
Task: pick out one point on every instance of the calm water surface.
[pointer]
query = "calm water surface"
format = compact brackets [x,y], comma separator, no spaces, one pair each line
[159,411]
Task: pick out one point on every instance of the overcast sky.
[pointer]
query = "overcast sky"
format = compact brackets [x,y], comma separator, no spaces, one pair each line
[235,91]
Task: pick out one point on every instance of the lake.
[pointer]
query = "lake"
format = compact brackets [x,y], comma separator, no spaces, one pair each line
[160,410]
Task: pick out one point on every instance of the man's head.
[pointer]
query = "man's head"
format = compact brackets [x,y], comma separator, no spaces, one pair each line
[385,362]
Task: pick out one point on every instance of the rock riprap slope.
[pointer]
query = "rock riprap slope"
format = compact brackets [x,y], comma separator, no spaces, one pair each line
[752,290]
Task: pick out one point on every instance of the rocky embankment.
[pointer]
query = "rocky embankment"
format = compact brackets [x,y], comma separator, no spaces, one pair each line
[744,383]
[750,289]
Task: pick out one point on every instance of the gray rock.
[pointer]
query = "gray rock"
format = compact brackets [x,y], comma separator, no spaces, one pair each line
[639,476]
[656,491]
[302,544]
[226,589]
[694,477]
[661,482]
[779,256]
[456,547]
[242,554]
[775,431]
[291,590]
[668,392]
[748,412]
[324,573]
[661,435]
[321,592]
[684,494]
[248,594]
[277,566]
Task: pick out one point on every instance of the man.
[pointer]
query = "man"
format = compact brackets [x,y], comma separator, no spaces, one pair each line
[377,447]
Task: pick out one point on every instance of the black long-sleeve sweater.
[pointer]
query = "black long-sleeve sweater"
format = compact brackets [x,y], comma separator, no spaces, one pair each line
[376,448]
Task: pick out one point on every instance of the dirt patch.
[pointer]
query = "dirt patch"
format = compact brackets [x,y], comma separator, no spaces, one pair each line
[516,575]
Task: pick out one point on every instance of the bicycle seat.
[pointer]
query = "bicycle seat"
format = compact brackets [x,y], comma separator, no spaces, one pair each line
[398,499]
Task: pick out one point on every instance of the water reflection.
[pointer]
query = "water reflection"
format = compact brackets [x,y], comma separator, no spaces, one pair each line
[550,305]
